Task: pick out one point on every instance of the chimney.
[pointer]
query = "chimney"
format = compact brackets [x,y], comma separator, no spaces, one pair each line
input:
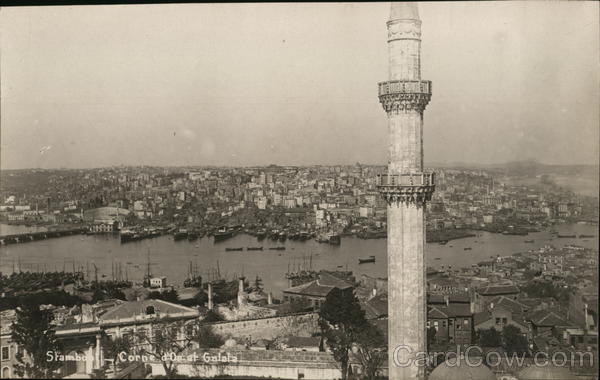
[585,316]
[270,298]
[241,286]
[447,299]
[374,292]
[491,305]
[210,296]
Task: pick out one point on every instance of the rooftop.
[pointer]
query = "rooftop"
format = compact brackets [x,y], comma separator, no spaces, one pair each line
[498,290]
[132,309]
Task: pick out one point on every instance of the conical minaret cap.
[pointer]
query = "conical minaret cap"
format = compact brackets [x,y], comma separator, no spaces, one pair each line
[404,10]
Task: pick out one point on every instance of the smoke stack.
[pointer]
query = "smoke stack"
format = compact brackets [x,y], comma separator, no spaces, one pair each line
[270,298]
[447,299]
[241,286]
[491,305]
[374,292]
[585,315]
[210,296]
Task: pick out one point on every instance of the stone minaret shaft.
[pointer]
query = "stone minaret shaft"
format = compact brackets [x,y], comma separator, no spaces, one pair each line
[406,189]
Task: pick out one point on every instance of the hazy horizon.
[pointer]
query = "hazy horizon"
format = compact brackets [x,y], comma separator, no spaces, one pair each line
[292,84]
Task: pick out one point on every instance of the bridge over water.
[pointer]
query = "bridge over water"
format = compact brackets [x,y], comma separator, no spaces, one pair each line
[33,236]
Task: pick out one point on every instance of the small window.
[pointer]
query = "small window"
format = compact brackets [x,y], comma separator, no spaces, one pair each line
[149,310]
[497,321]
[503,320]
[5,353]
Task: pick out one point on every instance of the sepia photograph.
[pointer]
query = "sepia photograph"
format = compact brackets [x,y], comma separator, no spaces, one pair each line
[321,191]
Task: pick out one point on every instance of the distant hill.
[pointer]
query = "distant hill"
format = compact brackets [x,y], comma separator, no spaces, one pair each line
[525,168]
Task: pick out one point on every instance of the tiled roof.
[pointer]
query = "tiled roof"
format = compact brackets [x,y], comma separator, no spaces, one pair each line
[511,305]
[326,279]
[452,298]
[548,318]
[498,290]
[482,317]
[321,287]
[376,307]
[131,309]
[454,310]
[436,312]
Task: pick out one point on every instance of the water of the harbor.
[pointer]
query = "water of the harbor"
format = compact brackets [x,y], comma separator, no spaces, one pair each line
[171,259]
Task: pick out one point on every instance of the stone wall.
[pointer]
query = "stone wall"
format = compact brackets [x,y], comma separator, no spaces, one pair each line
[304,324]
[275,364]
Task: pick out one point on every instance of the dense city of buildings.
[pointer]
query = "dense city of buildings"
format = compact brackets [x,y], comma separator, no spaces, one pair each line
[314,201]
[547,296]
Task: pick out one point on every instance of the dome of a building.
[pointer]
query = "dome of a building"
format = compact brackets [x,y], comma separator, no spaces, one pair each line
[461,370]
[546,372]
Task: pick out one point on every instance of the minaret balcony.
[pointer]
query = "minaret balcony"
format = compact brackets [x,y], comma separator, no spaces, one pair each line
[415,188]
[404,95]
[409,179]
[405,87]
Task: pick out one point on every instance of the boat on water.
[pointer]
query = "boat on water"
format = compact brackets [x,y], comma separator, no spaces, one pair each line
[566,236]
[192,235]
[467,248]
[437,258]
[181,234]
[277,248]
[443,242]
[335,239]
[223,234]
[234,249]
[529,241]
[370,259]
[127,235]
[261,235]
[582,236]
[282,236]
[515,231]
[274,235]
[254,248]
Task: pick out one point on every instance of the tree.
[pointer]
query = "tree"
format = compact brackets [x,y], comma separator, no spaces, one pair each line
[32,332]
[207,338]
[341,320]
[169,296]
[113,347]
[489,337]
[211,316]
[513,341]
[166,340]
[371,350]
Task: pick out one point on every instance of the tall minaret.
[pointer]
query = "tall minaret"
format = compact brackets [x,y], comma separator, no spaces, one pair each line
[406,189]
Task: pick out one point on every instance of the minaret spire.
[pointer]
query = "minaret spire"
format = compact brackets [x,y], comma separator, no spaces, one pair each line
[404,10]
[406,189]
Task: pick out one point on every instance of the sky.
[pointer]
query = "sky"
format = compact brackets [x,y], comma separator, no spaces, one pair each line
[292,84]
